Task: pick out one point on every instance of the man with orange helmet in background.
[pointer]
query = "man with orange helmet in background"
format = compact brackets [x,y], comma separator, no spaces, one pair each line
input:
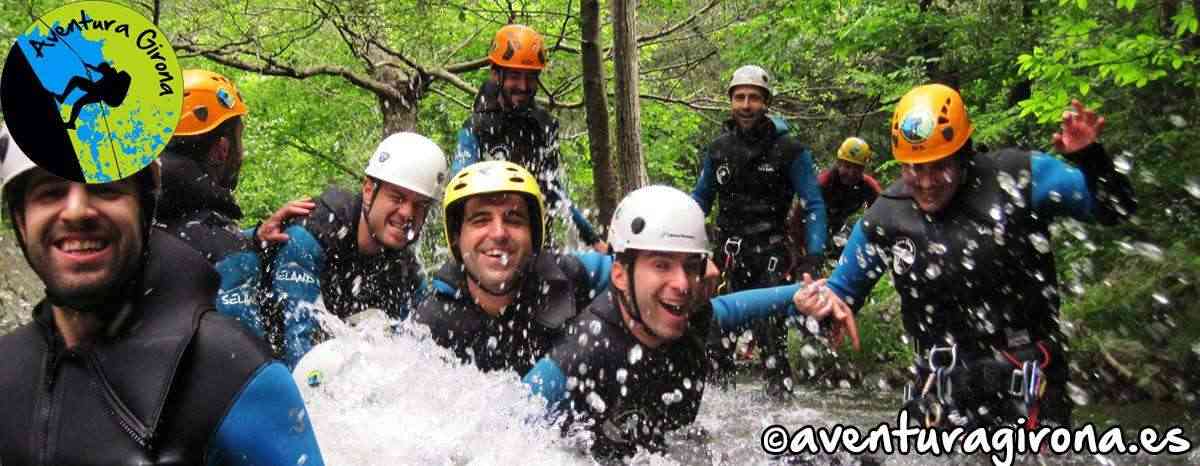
[966,239]
[507,124]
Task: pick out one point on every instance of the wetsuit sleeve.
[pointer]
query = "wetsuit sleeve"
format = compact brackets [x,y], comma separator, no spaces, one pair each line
[1093,192]
[857,270]
[548,381]
[598,268]
[875,189]
[467,151]
[804,184]
[736,311]
[296,287]
[704,193]
[238,295]
[267,424]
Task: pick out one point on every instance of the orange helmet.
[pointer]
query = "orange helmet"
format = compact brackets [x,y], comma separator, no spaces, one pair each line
[208,100]
[518,47]
[930,123]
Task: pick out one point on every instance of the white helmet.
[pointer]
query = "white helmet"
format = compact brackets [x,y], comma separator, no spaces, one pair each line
[13,162]
[410,161]
[658,218]
[750,75]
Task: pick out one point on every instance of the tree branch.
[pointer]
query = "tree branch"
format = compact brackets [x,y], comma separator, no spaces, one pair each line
[677,26]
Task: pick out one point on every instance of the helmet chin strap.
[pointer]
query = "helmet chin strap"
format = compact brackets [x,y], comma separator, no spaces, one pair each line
[635,312]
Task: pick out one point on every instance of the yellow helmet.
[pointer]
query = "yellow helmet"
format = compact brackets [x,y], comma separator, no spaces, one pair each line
[930,123]
[518,47]
[208,100]
[854,150]
[495,176]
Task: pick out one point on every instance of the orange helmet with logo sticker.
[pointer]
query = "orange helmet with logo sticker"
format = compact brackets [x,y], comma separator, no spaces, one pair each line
[930,123]
[208,100]
[518,47]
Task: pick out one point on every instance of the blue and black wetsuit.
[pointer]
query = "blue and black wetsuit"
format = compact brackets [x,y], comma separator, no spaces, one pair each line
[555,288]
[754,175]
[528,138]
[980,273]
[320,263]
[635,394]
[204,215]
[170,382]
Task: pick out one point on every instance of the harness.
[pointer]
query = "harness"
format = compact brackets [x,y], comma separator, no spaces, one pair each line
[957,389]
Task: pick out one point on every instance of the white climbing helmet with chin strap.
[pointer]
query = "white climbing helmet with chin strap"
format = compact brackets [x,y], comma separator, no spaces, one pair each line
[410,161]
[658,218]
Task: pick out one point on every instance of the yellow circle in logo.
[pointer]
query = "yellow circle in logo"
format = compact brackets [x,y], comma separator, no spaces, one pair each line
[92,91]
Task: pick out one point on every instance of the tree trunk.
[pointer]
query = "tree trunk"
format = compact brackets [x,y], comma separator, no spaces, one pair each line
[625,61]
[398,114]
[604,177]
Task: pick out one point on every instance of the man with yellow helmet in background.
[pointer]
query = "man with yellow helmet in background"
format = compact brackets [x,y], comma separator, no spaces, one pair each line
[507,124]
[966,239]
[504,298]
[846,187]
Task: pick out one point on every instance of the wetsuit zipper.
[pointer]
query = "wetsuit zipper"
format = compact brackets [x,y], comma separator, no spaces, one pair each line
[117,409]
[48,402]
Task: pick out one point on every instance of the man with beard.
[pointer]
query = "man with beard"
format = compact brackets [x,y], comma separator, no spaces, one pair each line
[504,298]
[845,187]
[507,124]
[200,171]
[966,238]
[753,170]
[125,361]
[354,251]
[637,354]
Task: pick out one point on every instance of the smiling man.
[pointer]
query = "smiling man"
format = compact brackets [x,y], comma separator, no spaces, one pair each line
[354,251]
[504,298]
[637,354]
[126,361]
[753,170]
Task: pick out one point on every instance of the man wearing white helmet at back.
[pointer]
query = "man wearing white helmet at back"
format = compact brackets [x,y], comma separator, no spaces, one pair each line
[754,170]
[354,251]
[638,354]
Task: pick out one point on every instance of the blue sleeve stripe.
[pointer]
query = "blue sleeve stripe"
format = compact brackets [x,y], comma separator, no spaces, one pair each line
[703,193]
[467,151]
[852,280]
[237,296]
[599,269]
[267,424]
[1059,189]
[736,311]
[297,281]
[548,381]
[586,230]
[804,184]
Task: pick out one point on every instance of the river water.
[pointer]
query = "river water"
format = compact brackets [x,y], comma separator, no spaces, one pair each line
[387,400]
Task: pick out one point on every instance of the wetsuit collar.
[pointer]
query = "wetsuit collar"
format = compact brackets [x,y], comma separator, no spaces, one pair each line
[186,189]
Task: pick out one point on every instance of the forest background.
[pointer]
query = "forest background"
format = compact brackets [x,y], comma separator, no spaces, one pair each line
[325,80]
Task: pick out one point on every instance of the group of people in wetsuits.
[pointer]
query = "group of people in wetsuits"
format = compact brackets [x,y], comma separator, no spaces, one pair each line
[125,362]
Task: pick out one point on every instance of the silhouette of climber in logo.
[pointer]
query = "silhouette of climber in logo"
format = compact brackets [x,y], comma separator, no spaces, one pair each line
[111,88]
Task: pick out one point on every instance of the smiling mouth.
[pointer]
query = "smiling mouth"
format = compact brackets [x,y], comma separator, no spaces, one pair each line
[81,246]
[674,309]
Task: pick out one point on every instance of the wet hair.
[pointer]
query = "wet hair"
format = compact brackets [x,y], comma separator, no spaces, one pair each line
[196,147]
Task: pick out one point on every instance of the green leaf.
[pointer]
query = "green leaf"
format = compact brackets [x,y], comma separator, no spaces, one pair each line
[1084,88]
[1082,4]
[1177,63]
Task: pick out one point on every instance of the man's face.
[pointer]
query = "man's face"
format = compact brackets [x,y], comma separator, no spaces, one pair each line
[933,184]
[849,173]
[82,239]
[666,288]
[396,215]
[496,239]
[519,86]
[749,103]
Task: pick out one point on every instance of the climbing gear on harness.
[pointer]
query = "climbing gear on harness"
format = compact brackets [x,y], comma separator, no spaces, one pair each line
[957,389]
[930,123]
